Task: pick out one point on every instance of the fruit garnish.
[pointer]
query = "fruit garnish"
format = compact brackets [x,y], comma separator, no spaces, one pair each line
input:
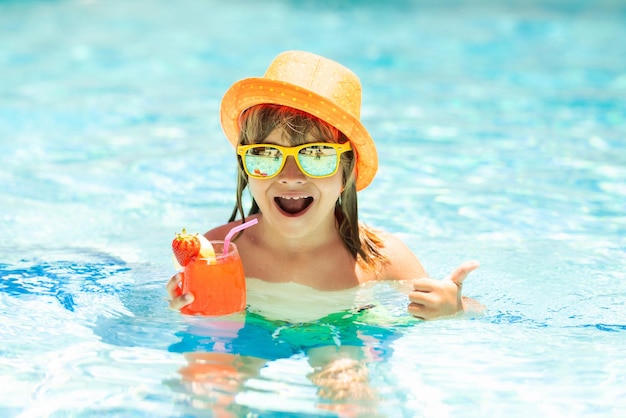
[206,249]
[187,246]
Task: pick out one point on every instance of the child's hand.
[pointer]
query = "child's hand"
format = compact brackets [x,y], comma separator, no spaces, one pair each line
[177,299]
[435,298]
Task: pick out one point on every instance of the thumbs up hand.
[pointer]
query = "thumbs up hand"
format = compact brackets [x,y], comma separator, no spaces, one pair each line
[433,298]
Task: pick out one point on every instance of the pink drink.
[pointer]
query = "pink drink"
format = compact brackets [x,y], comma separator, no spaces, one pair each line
[218,284]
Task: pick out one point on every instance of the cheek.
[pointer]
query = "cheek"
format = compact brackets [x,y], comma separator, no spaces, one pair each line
[333,186]
[257,187]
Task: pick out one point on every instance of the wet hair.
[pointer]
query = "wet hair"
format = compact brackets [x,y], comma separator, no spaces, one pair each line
[259,121]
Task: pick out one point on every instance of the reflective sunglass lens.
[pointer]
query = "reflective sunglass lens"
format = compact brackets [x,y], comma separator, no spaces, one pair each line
[263,161]
[318,161]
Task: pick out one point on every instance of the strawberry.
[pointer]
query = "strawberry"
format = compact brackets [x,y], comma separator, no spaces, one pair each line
[185,246]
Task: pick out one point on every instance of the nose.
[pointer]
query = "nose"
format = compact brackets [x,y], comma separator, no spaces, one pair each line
[291,172]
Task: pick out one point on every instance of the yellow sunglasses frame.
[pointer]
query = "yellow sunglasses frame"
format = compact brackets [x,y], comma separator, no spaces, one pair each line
[293,152]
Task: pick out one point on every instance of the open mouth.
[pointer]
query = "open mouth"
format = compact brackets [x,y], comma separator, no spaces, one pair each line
[293,205]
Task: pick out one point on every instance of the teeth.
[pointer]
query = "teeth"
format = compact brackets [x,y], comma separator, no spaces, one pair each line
[295,197]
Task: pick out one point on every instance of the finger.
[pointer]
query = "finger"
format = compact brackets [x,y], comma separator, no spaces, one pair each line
[180,301]
[415,309]
[174,289]
[421,311]
[463,271]
[173,285]
[424,284]
[422,298]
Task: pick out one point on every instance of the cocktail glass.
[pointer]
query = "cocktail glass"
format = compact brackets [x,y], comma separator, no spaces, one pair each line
[217,284]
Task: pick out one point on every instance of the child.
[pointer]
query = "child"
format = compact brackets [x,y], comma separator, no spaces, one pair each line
[303,154]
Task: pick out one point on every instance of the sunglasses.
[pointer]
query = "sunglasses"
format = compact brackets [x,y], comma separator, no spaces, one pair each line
[317,160]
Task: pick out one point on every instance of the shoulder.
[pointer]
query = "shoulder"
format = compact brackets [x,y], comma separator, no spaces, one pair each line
[402,263]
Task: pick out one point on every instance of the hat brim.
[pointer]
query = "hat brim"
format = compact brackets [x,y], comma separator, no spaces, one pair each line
[253,91]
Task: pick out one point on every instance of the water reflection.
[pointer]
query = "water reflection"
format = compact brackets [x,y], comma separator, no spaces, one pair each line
[232,362]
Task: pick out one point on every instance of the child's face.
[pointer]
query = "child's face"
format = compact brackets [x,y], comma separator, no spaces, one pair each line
[295,204]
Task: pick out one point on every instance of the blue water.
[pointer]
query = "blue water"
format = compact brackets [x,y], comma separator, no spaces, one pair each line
[501,130]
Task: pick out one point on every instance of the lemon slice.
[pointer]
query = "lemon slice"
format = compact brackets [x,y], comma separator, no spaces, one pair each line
[206,249]
[177,265]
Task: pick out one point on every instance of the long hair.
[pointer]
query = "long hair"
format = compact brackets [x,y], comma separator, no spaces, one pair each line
[259,121]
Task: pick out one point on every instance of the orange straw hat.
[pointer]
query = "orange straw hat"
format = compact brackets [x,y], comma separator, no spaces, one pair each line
[312,84]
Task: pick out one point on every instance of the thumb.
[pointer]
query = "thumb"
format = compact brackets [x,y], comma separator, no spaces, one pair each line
[462,271]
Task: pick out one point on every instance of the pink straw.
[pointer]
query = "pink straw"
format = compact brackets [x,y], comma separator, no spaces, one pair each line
[235,230]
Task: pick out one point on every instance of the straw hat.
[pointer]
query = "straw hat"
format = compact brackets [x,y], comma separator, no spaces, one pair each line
[312,84]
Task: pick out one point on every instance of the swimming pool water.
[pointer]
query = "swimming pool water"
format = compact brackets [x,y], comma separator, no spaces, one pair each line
[501,135]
